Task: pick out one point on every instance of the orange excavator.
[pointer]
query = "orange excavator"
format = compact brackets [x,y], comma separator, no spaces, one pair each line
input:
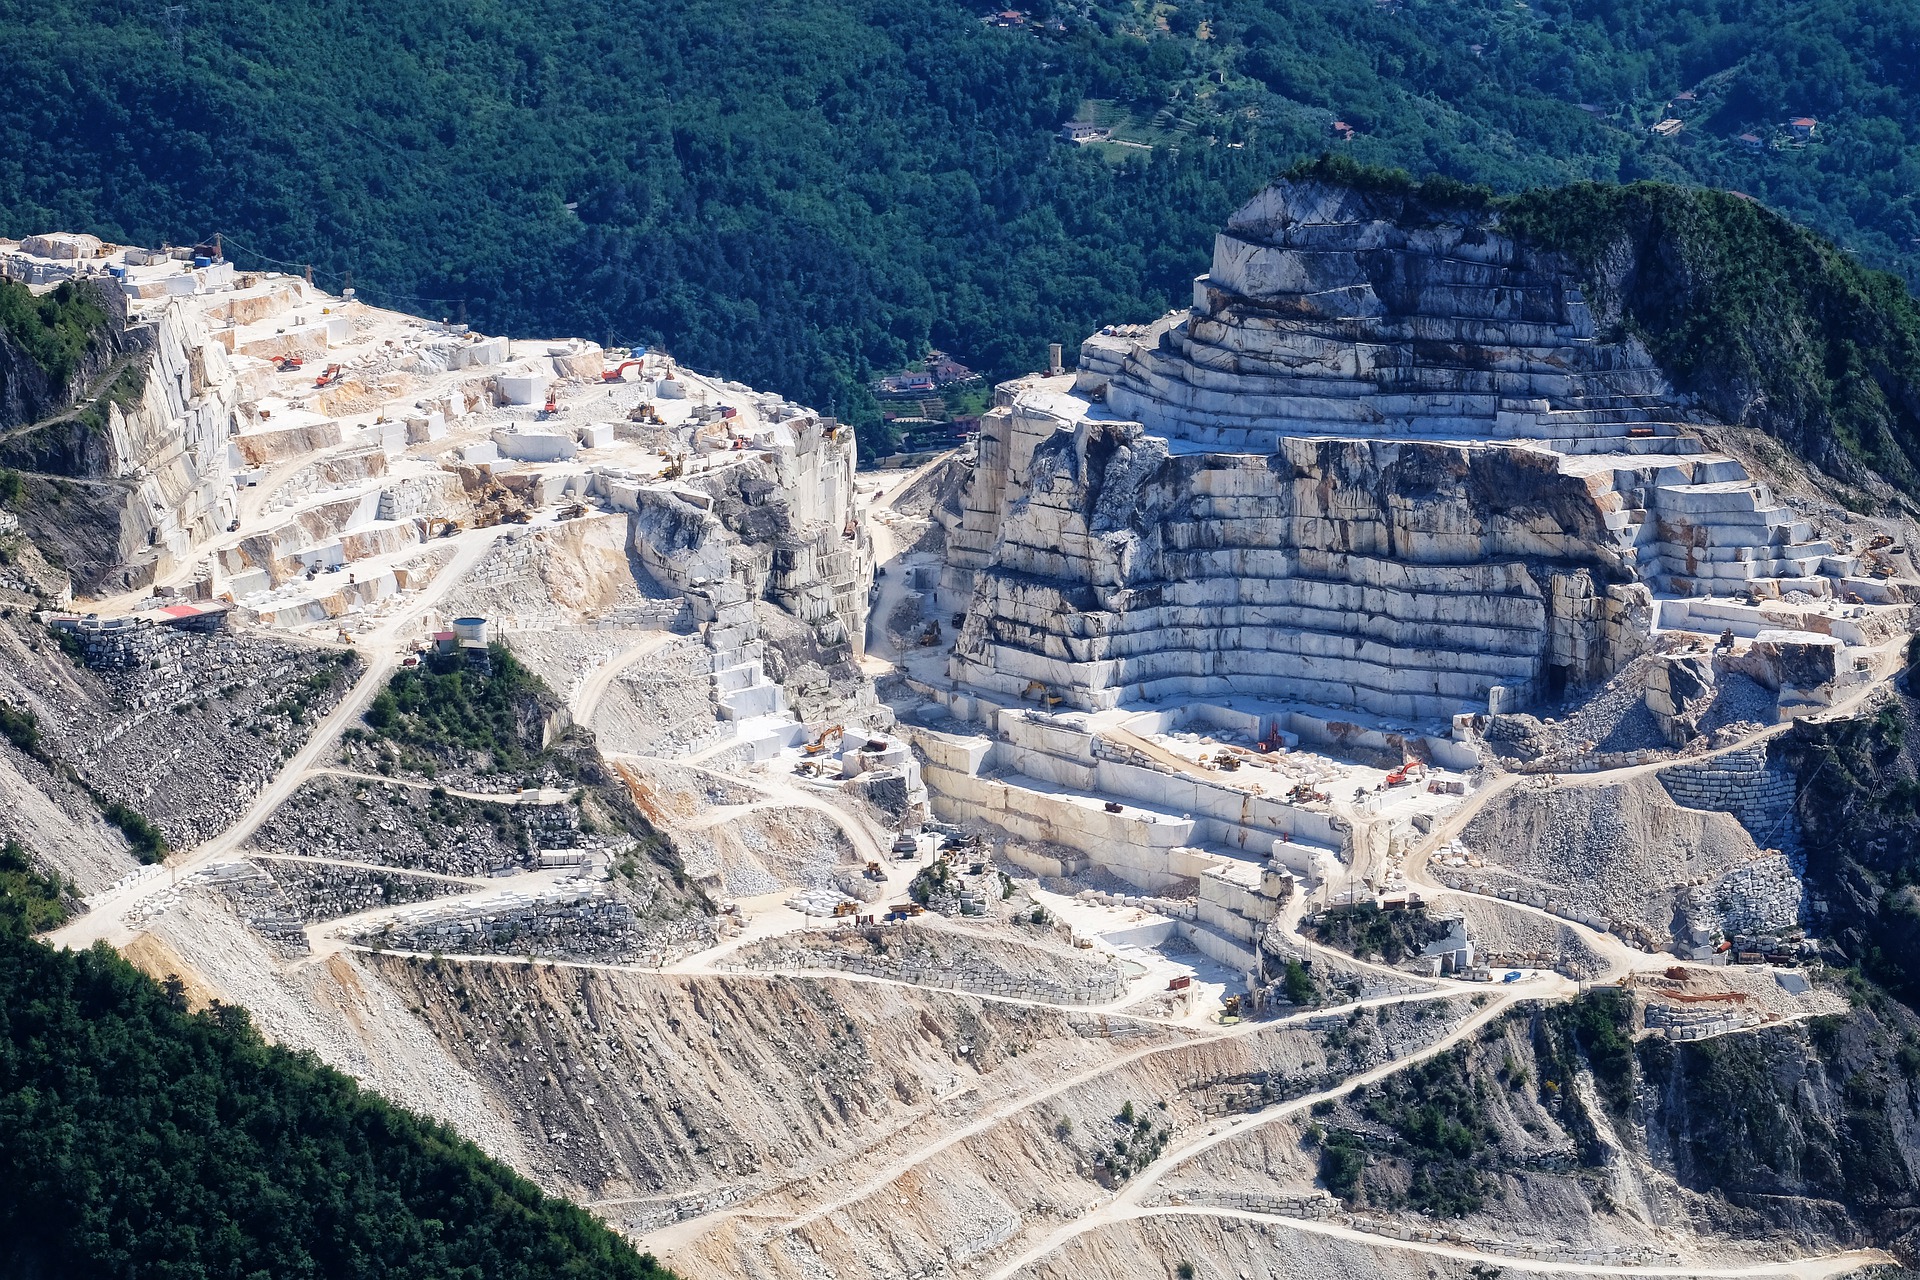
[613,375]
[332,375]
[287,364]
[552,405]
[819,744]
[1406,773]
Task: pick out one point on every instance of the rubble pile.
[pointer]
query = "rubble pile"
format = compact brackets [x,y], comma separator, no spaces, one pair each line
[664,706]
[391,824]
[257,898]
[1622,857]
[566,924]
[315,890]
[191,742]
[954,961]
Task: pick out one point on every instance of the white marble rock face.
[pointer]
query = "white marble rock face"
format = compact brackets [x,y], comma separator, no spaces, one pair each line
[1382,463]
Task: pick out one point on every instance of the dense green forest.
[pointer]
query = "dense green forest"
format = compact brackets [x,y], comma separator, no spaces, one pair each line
[806,192]
[140,1139]
[1766,322]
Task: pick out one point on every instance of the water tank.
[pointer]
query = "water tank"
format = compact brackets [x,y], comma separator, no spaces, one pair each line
[470,630]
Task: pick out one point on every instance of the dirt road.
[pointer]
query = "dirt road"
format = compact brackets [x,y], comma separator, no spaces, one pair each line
[105,918]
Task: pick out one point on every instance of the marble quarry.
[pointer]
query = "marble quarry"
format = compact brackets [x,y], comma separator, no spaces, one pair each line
[1382,464]
[332,470]
[1384,479]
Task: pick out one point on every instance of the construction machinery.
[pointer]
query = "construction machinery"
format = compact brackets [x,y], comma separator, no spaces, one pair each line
[819,744]
[613,375]
[675,468]
[931,635]
[646,413]
[332,375]
[1048,698]
[552,406]
[573,511]
[287,364]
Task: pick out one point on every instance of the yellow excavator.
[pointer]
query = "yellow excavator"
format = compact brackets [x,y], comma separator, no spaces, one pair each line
[1048,698]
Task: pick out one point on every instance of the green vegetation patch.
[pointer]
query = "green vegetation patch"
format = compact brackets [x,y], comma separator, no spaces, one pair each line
[1769,323]
[30,902]
[1441,1135]
[137,1138]
[930,880]
[297,703]
[1138,1143]
[444,709]
[123,393]
[148,844]
[1593,1033]
[55,329]
[1363,929]
[1298,985]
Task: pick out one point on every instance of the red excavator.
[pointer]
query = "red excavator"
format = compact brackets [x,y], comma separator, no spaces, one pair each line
[331,376]
[613,375]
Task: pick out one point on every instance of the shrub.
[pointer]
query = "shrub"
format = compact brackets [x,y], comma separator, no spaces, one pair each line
[148,844]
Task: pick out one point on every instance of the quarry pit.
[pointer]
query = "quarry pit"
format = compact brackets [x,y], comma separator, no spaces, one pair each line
[831,927]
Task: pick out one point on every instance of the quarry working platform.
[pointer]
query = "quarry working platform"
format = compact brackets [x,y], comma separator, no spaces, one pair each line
[1384,471]
[1374,466]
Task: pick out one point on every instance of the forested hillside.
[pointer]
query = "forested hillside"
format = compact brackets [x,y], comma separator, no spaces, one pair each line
[138,1139]
[802,193]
